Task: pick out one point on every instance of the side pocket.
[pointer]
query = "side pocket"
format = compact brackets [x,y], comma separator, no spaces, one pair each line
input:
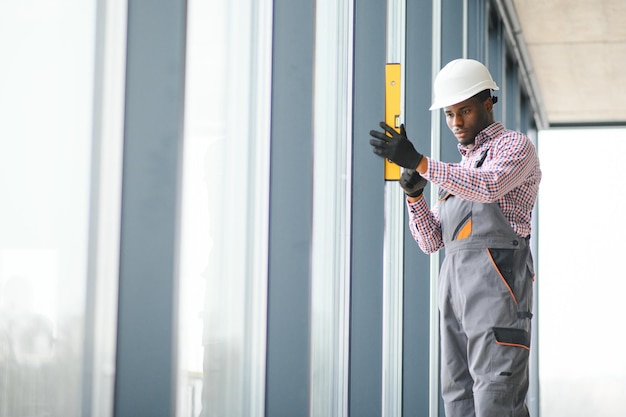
[512,337]
[509,360]
[503,261]
[531,267]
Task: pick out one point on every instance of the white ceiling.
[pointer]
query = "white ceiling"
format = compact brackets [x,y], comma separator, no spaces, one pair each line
[577,50]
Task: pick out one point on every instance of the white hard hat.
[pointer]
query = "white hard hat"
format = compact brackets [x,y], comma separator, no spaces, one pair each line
[459,80]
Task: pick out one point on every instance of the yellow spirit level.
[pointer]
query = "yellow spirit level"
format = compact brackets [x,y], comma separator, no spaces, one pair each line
[392,112]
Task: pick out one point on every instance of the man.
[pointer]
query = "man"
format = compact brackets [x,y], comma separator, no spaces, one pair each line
[483,219]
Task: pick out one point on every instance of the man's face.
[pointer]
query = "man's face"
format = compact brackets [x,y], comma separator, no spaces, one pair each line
[467,118]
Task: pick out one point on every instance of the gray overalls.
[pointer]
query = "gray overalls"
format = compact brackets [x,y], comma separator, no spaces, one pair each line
[485,301]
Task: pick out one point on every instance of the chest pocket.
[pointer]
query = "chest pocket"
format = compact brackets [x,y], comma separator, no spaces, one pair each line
[457,217]
[464,228]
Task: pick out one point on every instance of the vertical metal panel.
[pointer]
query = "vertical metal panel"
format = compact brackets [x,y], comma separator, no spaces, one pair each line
[512,95]
[259,175]
[393,236]
[525,113]
[451,48]
[392,300]
[533,397]
[367,212]
[330,254]
[415,339]
[287,390]
[106,194]
[476,30]
[435,140]
[495,60]
[145,371]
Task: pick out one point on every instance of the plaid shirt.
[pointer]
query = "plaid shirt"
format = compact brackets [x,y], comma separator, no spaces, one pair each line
[502,167]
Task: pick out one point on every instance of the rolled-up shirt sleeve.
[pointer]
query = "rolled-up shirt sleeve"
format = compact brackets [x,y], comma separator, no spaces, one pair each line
[425,226]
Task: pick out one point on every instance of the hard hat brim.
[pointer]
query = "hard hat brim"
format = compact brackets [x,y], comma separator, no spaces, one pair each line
[451,100]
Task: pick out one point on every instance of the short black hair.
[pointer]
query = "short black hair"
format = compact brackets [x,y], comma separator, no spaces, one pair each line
[484,95]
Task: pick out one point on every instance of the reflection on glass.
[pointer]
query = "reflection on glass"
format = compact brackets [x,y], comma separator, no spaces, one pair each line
[223,258]
[31,347]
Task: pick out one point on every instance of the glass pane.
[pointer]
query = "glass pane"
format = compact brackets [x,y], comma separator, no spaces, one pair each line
[46,104]
[223,258]
[582,366]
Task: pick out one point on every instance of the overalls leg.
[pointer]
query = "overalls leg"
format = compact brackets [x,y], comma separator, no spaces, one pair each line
[498,334]
[456,381]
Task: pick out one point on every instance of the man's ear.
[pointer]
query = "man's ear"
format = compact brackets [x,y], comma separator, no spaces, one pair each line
[488,103]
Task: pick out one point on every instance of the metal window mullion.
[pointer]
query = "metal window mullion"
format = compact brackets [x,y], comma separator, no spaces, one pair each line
[465,30]
[533,398]
[153,130]
[393,243]
[435,151]
[106,191]
[258,211]
[330,257]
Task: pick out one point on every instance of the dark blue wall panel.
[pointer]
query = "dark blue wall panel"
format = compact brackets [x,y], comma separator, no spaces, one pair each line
[155,71]
[451,48]
[495,61]
[477,30]
[367,211]
[416,320]
[287,393]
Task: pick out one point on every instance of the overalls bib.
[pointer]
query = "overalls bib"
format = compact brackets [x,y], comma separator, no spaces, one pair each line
[485,301]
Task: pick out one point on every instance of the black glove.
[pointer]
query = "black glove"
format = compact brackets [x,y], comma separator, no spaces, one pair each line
[397,148]
[412,183]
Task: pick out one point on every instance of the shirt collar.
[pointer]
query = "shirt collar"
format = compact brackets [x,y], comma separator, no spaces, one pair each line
[483,136]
